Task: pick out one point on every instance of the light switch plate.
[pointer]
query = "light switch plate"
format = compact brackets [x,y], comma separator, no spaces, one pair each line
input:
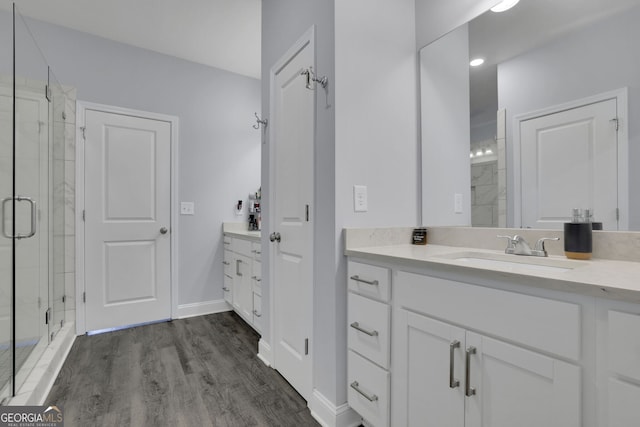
[187,208]
[360,198]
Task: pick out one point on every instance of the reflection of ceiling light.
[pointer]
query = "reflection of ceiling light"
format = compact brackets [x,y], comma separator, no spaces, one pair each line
[476,62]
[471,155]
[488,151]
[479,153]
[504,5]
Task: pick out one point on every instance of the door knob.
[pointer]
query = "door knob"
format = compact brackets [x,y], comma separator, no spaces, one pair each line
[163,230]
[274,237]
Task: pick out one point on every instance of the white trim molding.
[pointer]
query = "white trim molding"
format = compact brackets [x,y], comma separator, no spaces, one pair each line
[264,352]
[329,415]
[81,108]
[202,308]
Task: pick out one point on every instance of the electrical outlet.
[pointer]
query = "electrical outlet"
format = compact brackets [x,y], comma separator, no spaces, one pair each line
[187,208]
[360,198]
[457,204]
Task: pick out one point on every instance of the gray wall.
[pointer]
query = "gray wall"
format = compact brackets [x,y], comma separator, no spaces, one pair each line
[598,59]
[219,152]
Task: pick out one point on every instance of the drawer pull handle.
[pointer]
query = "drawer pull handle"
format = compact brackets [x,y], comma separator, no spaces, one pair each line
[453,383]
[226,275]
[256,278]
[238,261]
[225,289]
[226,262]
[255,313]
[356,326]
[258,252]
[469,391]
[227,243]
[368,282]
[356,387]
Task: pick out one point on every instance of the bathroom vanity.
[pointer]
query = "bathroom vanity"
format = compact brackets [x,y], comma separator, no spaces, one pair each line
[460,336]
[242,272]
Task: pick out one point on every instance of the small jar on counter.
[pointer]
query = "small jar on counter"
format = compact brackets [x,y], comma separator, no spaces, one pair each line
[419,236]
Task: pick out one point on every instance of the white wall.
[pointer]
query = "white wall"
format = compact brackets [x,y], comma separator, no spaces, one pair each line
[376,112]
[595,60]
[219,152]
[444,82]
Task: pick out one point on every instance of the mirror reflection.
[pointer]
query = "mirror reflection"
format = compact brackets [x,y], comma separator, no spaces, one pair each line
[550,115]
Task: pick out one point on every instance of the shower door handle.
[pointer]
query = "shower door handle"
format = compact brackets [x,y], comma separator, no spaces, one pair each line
[32,231]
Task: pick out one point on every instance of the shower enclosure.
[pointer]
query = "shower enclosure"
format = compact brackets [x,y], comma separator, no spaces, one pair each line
[32,187]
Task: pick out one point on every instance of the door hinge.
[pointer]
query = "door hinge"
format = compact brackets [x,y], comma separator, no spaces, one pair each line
[47,316]
[64,298]
[617,214]
[84,297]
[306,346]
[82,129]
[616,122]
[47,92]
[307,213]
[83,212]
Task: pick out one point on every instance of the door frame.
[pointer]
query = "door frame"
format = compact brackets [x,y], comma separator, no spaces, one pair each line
[307,39]
[81,109]
[622,105]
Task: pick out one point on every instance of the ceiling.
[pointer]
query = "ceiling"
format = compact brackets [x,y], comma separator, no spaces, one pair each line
[219,33]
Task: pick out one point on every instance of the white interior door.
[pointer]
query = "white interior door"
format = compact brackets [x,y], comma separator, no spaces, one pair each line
[127,220]
[293,117]
[569,160]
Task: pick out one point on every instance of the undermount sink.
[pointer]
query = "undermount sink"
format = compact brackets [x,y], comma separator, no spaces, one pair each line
[505,261]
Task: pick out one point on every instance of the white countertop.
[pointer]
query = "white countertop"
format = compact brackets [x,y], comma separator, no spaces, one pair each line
[239,229]
[597,277]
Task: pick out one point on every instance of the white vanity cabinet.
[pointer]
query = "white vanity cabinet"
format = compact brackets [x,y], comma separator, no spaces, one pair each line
[369,342]
[619,342]
[241,273]
[452,368]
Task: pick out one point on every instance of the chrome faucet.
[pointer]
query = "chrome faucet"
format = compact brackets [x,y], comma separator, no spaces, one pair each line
[517,245]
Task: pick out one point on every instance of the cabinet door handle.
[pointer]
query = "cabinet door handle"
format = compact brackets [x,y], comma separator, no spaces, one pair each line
[225,289]
[356,387]
[453,383]
[238,261]
[230,277]
[469,391]
[368,282]
[356,326]
[255,313]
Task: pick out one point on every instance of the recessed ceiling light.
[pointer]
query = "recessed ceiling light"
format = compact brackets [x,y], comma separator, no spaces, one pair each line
[504,5]
[476,62]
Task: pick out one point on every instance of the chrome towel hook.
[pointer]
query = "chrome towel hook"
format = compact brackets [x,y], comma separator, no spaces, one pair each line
[259,122]
[311,79]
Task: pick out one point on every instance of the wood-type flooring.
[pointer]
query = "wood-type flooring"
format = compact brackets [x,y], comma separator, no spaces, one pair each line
[201,371]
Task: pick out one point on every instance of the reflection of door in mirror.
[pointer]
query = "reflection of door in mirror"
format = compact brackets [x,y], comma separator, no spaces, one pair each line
[568,159]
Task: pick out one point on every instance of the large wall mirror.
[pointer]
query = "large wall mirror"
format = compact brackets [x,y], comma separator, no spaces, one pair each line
[549,122]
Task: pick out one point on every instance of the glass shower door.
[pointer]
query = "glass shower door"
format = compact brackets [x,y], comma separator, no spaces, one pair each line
[6,197]
[30,228]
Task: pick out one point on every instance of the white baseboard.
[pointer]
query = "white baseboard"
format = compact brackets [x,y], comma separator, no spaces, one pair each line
[202,308]
[264,352]
[329,415]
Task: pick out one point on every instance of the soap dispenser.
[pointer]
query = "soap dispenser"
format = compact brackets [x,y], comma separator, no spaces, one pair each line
[578,235]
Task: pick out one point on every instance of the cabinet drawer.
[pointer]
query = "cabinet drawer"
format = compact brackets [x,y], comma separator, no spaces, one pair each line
[257,312]
[369,280]
[369,329]
[227,261]
[227,288]
[242,247]
[624,344]
[227,241]
[256,277]
[368,392]
[256,250]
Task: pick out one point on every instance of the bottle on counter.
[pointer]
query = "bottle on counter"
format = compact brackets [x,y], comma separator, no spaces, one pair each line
[578,235]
